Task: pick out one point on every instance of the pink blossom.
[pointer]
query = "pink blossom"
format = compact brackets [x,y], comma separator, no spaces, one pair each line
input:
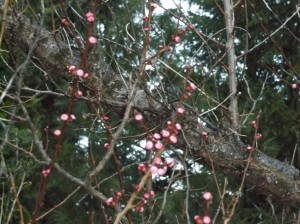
[106,145]
[46,172]
[191,87]
[178,126]
[157,136]
[149,145]
[92,40]
[146,195]
[207,196]
[203,135]
[177,39]
[158,145]
[136,187]
[72,117]
[142,168]
[140,209]
[110,201]
[105,118]
[258,136]
[146,29]
[138,117]
[79,72]
[190,27]
[86,75]
[57,132]
[162,171]
[294,85]
[64,117]
[71,68]
[249,149]
[65,22]
[253,124]
[180,110]
[165,133]
[90,17]
[206,220]
[79,93]
[157,161]
[197,219]
[152,193]
[173,139]
[153,6]
[153,170]
[170,161]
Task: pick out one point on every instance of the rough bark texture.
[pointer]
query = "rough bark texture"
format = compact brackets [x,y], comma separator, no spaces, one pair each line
[269,175]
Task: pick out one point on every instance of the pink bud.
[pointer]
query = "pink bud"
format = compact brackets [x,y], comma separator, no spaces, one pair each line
[173,139]
[71,68]
[146,195]
[157,161]
[110,201]
[170,161]
[177,39]
[162,171]
[294,85]
[64,117]
[79,93]
[146,29]
[86,75]
[190,27]
[57,132]
[192,87]
[158,145]
[79,72]
[90,17]
[136,187]
[253,124]
[153,170]
[197,219]
[142,168]
[89,14]
[106,145]
[206,220]
[207,196]
[178,126]
[65,22]
[145,18]
[249,149]
[152,193]
[258,136]
[141,209]
[153,6]
[165,133]
[105,118]
[180,110]
[92,40]
[157,136]
[46,172]
[72,117]
[187,95]
[160,47]
[149,145]
[138,117]
[203,135]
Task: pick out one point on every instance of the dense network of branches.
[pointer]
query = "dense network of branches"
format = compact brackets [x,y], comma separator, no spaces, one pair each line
[149,112]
